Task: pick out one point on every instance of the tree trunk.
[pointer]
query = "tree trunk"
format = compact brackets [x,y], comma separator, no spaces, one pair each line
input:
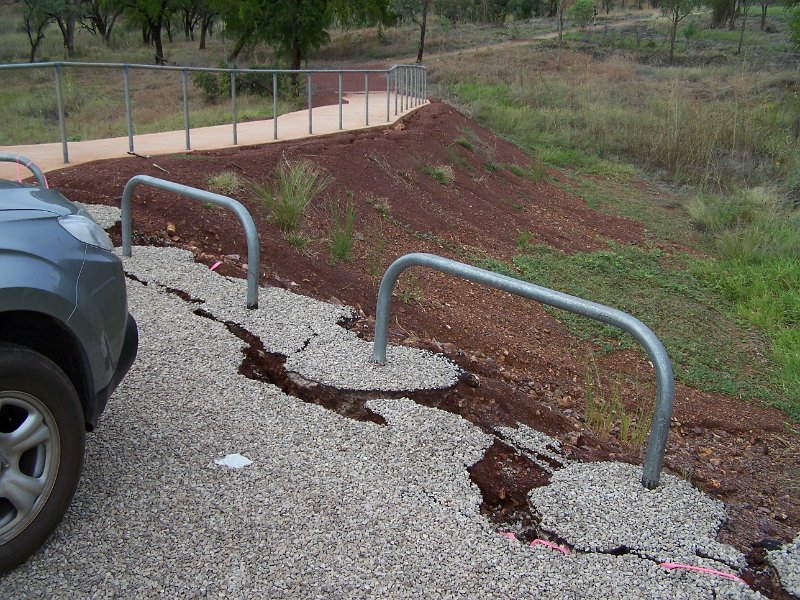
[238,47]
[156,34]
[732,20]
[67,27]
[673,32]
[764,5]
[422,26]
[205,26]
[745,9]
[110,21]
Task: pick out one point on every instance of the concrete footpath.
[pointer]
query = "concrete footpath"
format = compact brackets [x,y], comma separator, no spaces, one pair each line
[291,126]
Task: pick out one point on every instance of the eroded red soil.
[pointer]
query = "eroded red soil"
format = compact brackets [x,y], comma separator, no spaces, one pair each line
[527,367]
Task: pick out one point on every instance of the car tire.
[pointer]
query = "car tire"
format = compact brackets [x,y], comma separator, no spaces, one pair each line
[42,437]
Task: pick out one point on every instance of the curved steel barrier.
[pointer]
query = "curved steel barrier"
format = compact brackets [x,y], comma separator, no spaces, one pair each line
[28,164]
[657,441]
[253,250]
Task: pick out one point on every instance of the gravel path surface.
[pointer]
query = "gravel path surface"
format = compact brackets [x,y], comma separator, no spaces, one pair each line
[786,562]
[330,507]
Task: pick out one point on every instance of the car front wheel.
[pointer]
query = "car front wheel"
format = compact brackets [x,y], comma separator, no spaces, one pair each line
[41,450]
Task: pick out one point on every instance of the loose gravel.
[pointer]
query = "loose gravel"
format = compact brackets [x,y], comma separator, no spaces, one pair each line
[330,507]
[786,562]
[603,507]
[307,331]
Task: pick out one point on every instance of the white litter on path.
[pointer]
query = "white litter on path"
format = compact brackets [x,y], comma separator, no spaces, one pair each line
[234,461]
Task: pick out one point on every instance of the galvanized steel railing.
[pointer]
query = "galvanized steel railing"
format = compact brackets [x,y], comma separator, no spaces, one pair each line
[253,249]
[657,441]
[28,164]
[408,84]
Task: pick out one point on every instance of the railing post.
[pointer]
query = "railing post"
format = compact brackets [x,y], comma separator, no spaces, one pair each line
[128,116]
[233,106]
[274,105]
[62,123]
[366,97]
[185,84]
[310,128]
[396,89]
[665,381]
[251,234]
[388,96]
[340,100]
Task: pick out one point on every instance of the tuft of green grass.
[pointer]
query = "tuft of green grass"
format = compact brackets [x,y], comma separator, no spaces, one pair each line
[375,254]
[606,413]
[226,183]
[464,142]
[297,185]
[523,240]
[298,239]
[444,174]
[411,291]
[379,204]
[340,240]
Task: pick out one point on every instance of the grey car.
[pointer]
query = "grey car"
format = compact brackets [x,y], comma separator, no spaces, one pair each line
[66,341]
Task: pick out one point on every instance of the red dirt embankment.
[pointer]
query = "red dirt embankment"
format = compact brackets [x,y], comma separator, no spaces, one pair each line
[528,367]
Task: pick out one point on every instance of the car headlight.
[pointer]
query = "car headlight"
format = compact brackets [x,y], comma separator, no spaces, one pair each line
[87,231]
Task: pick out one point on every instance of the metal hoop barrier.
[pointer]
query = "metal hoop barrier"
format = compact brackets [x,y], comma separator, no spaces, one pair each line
[253,250]
[657,441]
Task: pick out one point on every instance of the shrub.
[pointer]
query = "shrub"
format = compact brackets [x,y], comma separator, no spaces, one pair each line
[581,12]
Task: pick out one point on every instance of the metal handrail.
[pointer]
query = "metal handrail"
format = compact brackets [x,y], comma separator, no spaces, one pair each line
[28,164]
[253,249]
[657,441]
[406,88]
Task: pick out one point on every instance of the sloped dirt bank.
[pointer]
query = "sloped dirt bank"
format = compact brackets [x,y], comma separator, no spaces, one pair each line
[527,367]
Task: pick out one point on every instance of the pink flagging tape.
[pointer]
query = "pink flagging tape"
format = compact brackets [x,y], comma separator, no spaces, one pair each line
[216,264]
[551,545]
[669,565]
[508,534]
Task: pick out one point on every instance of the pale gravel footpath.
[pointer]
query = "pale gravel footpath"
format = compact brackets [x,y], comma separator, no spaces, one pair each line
[330,507]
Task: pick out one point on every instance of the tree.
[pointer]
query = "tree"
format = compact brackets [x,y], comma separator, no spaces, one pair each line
[66,14]
[794,27]
[35,18]
[764,6]
[721,11]
[563,6]
[99,17]
[416,11]
[677,11]
[292,27]
[744,6]
[582,12]
[151,16]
